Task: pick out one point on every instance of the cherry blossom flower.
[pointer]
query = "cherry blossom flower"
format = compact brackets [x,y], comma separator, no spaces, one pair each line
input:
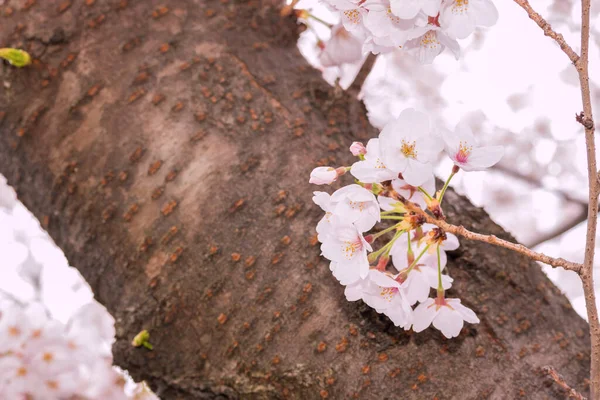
[408,146]
[341,48]
[407,9]
[462,147]
[381,292]
[447,315]
[357,205]
[428,42]
[381,22]
[460,17]
[372,169]
[347,247]
[352,13]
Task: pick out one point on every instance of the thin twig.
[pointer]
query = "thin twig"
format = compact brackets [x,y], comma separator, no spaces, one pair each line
[587,273]
[491,239]
[361,77]
[548,31]
[560,381]
[586,119]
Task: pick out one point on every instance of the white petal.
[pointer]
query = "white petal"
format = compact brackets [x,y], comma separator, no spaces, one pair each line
[451,242]
[487,14]
[423,315]
[417,173]
[466,313]
[483,157]
[405,9]
[448,322]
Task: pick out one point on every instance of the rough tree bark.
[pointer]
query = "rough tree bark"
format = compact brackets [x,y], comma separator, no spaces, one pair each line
[166,147]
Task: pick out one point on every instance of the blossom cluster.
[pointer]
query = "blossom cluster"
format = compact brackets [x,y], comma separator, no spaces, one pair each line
[395,184]
[42,358]
[423,28]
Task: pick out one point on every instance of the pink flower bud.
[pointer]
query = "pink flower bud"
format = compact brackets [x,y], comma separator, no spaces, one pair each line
[357,148]
[323,176]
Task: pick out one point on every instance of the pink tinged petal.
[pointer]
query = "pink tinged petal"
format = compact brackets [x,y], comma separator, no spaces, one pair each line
[457,19]
[417,287]
[382,279]
[466,313]
[365,172]
[417,173]
[406,9]
[487,14]
[398,253]
[483,157]
[451,242]
[386,203]
[353,293]
[431,7]
[448,322]
[347,274]
[451,142]
[423,315]
[322,199]
[452,44]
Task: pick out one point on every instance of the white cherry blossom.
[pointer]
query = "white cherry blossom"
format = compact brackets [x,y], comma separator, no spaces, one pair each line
[428,42]
[357,205]
[462,147]
[408,146]
[460,17]
[383,293]
[352,13]
[381,22]
[447,315]
[347,247]
[372,169]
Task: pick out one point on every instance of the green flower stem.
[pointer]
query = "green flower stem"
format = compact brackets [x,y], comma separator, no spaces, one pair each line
[446,186]
[425,193]
[383,232]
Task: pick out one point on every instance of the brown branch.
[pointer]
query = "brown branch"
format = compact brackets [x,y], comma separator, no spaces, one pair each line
[548,31]
[361,77]
[560,381]
[491,239]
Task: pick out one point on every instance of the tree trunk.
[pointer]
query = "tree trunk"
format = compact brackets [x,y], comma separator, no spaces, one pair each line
[166,146]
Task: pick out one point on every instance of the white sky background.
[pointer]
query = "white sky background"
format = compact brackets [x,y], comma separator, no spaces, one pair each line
[516,87]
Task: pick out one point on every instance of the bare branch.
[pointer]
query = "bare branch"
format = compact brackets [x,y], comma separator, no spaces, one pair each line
[491,239]
[560,381]
[548,31]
